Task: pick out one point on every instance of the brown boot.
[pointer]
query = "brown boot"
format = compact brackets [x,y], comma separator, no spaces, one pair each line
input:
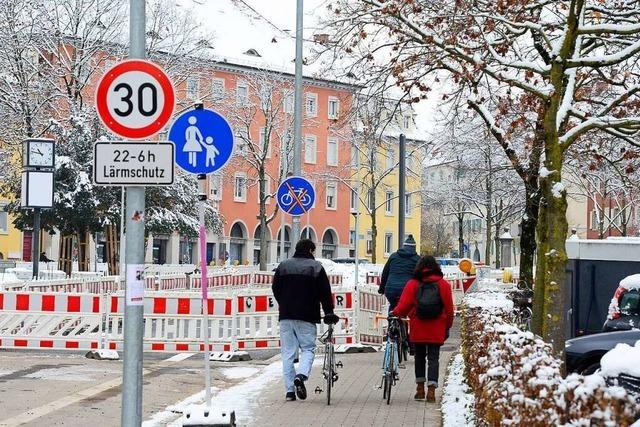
[431,393]
[419,392]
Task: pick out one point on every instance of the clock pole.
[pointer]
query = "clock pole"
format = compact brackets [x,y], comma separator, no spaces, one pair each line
[35,257]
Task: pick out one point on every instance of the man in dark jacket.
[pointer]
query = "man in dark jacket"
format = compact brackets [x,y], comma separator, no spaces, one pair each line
[398,270]
[300,285]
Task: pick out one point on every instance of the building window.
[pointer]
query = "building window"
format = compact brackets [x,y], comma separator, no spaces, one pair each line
[216,187]
[333,108]
[332,152]
[391,158]
[388,243]
[388,203]
[4,220]
[217,88]
[616,217]
[240,188]
[242,94]
[310,149]
[193,88]
[353,201]
[264,144]
[594,220]
[407,204]
[267,189]
[370,200]
[311,104]
[354,156]
[369,243]
[352,237]
[332,195]
[406,122]
[288,103]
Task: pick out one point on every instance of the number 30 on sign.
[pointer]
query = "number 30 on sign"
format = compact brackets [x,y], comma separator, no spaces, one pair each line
[135,99]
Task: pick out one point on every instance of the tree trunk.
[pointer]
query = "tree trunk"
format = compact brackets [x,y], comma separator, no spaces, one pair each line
[112,249]
[65,260]
[528,232]
[552,255]
[263,221]
[83,251]
[461,235]
[496,242]
[374,235]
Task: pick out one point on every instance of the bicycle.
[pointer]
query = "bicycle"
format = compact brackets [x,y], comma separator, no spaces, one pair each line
[391,359]
[329,366]
[522,302]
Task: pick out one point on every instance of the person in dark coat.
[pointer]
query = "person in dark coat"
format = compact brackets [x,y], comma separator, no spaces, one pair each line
[44,258]
[427,335]
[398,271]
[301,286]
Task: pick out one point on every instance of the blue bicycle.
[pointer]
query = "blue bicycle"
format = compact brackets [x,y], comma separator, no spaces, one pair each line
[391,360]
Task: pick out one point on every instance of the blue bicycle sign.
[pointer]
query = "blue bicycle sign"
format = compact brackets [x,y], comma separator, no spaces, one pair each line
[296,195]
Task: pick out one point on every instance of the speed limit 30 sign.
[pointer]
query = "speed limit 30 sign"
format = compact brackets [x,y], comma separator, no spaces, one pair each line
[135,99]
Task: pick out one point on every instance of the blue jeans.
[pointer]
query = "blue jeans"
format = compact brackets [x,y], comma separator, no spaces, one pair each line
[294,335]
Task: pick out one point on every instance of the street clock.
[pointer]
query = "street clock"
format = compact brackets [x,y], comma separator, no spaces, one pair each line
[38,153]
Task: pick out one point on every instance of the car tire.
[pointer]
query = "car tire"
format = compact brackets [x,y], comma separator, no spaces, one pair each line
[590,369]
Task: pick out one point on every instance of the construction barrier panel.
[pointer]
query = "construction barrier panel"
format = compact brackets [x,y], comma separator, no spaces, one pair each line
[36,320]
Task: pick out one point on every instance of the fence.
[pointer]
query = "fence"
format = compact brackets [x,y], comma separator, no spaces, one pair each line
[243,313]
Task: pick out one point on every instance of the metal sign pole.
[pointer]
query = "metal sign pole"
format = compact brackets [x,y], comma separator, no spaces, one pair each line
[401,186]
[205,288]
[133,314]
[35,257]
[297,118]
[121,262]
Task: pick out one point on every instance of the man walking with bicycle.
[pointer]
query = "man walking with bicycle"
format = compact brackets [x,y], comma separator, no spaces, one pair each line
[301,286]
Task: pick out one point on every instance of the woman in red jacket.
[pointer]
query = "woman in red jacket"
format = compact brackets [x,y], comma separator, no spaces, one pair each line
[426,334]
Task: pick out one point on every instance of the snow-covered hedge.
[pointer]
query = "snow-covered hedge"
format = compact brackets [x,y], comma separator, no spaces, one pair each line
[517,380]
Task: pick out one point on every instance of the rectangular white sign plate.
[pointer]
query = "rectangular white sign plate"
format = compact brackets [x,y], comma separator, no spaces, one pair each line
[133,163]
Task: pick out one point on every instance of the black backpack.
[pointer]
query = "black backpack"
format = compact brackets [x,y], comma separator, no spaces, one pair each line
[428,301]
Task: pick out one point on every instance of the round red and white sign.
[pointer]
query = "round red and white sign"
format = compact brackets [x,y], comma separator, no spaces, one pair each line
[135,99]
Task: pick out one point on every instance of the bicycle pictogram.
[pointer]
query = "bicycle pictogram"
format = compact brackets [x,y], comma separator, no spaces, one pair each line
[295,196]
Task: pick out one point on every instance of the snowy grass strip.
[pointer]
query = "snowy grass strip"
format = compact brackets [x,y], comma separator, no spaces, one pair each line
[457,398]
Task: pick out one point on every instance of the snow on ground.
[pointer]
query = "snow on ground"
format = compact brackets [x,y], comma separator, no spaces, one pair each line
[239,372]
[622,359]
[631,282]
[457,398]
[172,411]
[70,373]
[239,398]
[488,296]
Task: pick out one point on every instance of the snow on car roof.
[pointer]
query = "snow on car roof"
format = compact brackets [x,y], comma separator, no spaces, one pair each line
[631,282]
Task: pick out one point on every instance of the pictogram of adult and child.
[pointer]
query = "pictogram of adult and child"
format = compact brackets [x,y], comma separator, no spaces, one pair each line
[195,143]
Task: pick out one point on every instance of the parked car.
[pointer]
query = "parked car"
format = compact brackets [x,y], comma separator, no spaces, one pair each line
[350,261]
[583,354]
[448,261]
[624,309]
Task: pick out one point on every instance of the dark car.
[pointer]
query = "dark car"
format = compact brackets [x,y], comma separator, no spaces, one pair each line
[350,261]
[583,354]
[624,311]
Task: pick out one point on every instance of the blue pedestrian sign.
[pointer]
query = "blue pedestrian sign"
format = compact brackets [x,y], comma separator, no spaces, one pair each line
[296,195]
[203,140]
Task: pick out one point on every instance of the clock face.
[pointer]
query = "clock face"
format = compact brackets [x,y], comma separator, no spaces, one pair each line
[41,153]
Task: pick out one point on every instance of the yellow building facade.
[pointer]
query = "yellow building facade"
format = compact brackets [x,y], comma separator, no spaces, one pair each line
[10,236]
[385,185]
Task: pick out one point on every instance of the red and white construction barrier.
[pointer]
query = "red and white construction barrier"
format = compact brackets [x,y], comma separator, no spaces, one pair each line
[50,320]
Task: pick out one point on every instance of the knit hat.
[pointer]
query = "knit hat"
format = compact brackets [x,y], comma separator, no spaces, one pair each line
[410,241]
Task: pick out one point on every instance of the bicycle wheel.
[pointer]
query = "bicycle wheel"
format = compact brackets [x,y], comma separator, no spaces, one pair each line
[330,372]
[390,374]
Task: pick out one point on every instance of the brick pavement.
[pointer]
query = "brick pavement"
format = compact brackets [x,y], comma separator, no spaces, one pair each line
[356,399]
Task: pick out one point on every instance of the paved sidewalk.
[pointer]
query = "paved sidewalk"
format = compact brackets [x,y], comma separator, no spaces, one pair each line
[356,399]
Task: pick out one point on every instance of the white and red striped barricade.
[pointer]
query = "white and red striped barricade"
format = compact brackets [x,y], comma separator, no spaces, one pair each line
[344,302]
[151,282]
[61,321]
[372,279]
[173,322]
[263,278]
[108,284]
[56,285]
[256,319]
[173,282]
[372,306]
[243,279]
